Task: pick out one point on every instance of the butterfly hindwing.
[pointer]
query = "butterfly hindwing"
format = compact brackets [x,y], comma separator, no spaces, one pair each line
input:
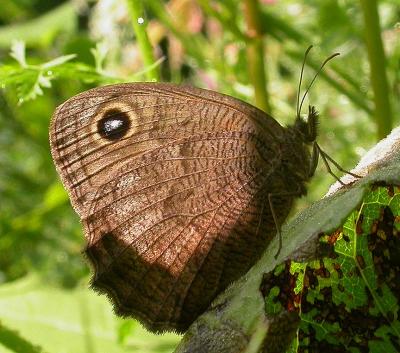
[171,185]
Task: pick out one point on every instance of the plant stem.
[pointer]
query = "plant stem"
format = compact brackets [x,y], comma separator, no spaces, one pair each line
[255,54]
[377,64]
[139,26]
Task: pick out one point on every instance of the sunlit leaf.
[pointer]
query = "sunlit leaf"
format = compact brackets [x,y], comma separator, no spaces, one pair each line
[18,52]
[71,321]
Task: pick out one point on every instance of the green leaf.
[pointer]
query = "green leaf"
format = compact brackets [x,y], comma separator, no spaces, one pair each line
[30,80]
[76,321]
[41,30]
[18,52]
[58,61]
[99,53]
[350,299]
[15,343]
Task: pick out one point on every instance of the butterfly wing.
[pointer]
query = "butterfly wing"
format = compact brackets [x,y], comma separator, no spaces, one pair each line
[174,202]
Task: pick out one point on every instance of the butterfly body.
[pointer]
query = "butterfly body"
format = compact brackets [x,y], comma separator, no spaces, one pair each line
[172,186]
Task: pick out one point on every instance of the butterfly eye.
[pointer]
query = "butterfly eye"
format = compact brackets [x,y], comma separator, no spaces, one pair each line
[114,125]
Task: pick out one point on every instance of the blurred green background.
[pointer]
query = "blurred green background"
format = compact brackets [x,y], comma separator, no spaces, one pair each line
[253,50]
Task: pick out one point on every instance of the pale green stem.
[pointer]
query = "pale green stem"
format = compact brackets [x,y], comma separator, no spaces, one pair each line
[377,62]
[255,54]
[139,24]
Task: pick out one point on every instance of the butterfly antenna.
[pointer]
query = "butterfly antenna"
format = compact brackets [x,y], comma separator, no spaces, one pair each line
[301,78]
[315,76]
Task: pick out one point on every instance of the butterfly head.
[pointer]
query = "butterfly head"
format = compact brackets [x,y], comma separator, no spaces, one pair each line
[308,129]
[301,147]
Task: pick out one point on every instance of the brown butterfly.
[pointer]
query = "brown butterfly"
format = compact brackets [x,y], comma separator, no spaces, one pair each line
[179,190]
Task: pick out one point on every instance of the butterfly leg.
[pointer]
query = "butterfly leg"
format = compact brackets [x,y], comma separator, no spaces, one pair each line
[277,225]
[325,157]
[314,160]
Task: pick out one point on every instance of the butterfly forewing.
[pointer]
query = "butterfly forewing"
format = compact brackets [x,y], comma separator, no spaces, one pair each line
[171,184]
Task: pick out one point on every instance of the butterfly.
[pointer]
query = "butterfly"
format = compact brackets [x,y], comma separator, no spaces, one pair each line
[179,190]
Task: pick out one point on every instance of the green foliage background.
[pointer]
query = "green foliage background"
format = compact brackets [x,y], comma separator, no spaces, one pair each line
[59,48]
